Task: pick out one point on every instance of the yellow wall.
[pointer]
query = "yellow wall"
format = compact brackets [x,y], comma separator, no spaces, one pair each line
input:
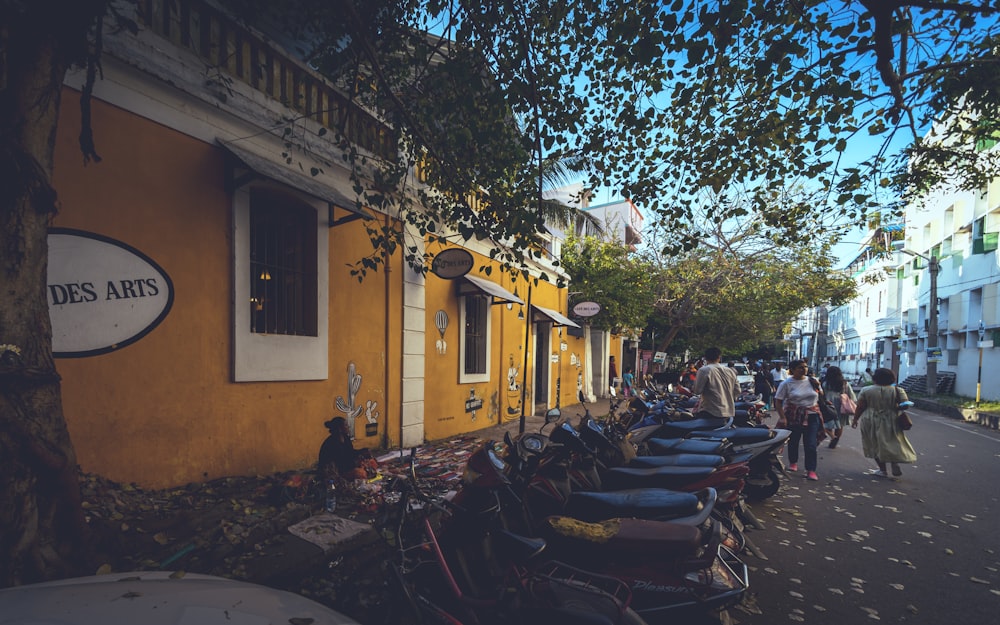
[163,411]
[445,397]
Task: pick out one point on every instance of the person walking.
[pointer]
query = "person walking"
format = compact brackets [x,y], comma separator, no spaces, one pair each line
[796,402]
[837,389]
[777,375]
[717,385]
[627,380]
[881,438]
[866,378]
[763,385]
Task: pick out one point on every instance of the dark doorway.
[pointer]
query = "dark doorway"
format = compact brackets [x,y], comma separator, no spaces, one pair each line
[543,339]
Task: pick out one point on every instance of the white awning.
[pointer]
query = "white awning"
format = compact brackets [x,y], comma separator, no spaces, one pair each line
[267,168]
[500,295]
[545,314]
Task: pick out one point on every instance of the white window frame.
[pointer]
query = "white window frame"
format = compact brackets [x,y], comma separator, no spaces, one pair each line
[475,378]
[277,357]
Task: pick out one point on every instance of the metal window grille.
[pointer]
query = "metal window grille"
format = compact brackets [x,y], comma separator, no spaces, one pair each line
[282,265]
[476,309]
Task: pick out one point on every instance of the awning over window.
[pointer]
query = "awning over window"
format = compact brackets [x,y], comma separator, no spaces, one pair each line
[262,167]
[473,285]
[544,314]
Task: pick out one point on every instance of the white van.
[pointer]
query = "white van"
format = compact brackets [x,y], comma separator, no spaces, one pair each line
[743,373]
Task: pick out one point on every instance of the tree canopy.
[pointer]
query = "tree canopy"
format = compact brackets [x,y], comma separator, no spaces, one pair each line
[660,101]
[737,288]
[607,273]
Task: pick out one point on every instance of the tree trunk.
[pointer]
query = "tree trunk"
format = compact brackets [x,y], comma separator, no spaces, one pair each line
[42,528]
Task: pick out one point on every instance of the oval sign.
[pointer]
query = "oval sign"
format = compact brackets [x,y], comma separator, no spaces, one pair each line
[452,263]
[586,309]
[103,294]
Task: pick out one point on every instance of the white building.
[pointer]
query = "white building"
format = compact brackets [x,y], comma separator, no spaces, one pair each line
[622,221]
[854,337]
[960,229]
[887,324]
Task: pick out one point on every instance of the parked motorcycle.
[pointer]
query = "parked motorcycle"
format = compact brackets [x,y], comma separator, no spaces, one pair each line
[456,565]
[669,566]
[657,434]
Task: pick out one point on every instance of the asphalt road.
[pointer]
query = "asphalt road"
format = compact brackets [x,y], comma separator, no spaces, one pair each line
[854,548]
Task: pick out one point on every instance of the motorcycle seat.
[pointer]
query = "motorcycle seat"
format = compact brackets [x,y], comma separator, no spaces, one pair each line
[520,548]
[664,446]
[624,537]
[738,436]
[678,460]
[646,503]
[654,477]
[692,427]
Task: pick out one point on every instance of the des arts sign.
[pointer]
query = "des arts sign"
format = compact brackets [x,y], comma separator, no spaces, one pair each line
[103,294]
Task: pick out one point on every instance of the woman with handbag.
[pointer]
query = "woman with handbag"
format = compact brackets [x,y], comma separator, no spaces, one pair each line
[843,398]
[881,437]
[796,404]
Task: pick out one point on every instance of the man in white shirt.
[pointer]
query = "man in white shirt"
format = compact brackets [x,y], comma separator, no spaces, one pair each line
[717,385]
[778,375]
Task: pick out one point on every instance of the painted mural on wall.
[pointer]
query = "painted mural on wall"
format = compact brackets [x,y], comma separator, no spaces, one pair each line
[513,388]
[350,406]
[441,321]
[473,403]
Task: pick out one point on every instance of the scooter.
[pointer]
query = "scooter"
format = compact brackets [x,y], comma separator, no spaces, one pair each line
[455,565]
[669,566]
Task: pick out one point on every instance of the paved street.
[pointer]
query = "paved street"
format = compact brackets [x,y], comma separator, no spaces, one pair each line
[924,549]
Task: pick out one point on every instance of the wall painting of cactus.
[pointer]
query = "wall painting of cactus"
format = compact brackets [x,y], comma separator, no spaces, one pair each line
[351,408]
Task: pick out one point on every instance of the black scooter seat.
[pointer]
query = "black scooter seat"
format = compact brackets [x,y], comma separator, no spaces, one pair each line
[690,427]
[737,436]
[654,477]
[644,503]
[663,446]
[678,460]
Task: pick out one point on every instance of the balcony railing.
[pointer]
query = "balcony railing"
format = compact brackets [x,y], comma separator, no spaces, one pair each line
[220,42]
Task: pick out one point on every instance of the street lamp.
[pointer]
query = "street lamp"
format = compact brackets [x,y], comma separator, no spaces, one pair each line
[932,330]
[979,375]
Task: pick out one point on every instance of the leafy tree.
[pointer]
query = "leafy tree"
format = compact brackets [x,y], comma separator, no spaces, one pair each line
[656,100]
[738,287]
[605,272]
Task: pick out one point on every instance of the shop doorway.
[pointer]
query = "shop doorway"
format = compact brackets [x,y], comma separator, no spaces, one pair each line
[543,347]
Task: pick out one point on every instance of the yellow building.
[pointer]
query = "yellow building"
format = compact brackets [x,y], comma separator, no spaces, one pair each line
[204,312]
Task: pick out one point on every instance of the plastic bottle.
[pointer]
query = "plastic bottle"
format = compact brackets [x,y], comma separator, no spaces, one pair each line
[331,496]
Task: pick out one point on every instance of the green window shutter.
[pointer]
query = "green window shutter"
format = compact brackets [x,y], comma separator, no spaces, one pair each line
[977,246]
[990,241]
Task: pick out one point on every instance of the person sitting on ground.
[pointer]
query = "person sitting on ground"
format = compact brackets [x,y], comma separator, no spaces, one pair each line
[337,456]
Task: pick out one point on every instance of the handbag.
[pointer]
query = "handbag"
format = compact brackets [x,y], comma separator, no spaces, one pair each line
[847,405]
[903,420]
[826,407]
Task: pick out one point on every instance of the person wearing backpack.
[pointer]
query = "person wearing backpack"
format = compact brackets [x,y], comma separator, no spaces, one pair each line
[842,396]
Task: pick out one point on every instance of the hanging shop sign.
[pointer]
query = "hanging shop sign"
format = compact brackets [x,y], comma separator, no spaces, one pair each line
[451,263]
[586,309]
[103,294]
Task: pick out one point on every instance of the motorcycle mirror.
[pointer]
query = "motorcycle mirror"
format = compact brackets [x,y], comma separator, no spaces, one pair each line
[553,415]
